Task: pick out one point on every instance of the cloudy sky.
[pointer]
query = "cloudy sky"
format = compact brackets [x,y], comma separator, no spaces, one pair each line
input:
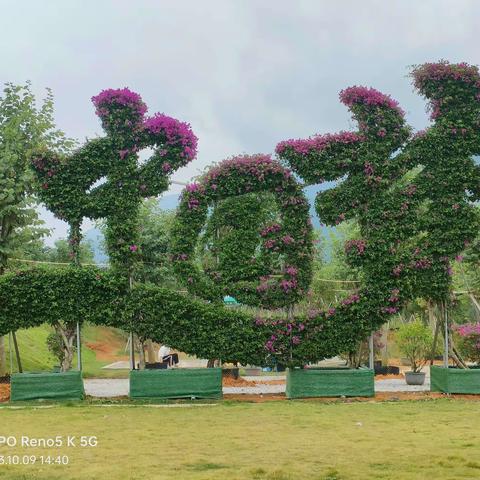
[244,73]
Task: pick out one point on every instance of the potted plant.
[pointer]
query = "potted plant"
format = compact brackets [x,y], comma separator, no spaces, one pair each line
[415,341]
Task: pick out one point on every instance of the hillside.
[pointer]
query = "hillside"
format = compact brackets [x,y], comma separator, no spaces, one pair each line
[100,346]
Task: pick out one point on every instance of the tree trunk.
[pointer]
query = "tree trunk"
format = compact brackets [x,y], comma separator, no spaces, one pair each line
[68,334]
[3,357]
[141,354]
[17,352]
[74,238]
[150,351]
[67,360]
[3,352]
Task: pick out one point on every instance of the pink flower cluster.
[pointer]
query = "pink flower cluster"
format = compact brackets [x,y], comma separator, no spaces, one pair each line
[288,239]
[422,264]
[444,70]
[389,310]
[368,96]
[368,169]
[419,134]
[121,97]
[273,228]
[291,270]
[193,187]
[175,133]
[287,285]
[394,297]
[355,298]
[317,143]
[468,329]
[258,166]
[358,245]
[398,270]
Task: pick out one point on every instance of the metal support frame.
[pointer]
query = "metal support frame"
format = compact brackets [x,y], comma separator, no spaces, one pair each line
[132,351]
[446,347]
[79,348]
[10,345]
[371,356]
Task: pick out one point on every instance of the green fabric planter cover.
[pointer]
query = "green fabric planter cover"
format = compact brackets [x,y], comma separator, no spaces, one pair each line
[57,386]
[454,380]
[176,383]
[330,382]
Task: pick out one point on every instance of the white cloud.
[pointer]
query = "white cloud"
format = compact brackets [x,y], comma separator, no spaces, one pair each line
[246,74]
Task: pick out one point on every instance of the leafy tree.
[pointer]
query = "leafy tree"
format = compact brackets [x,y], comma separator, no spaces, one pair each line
[61,252]
[24,126]
[334,278]
[154,263]
[415,341]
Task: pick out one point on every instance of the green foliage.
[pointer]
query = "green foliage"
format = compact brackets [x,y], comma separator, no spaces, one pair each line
[469,341]
[274,265]
[411,197]
[414,339]
[194,326]
[105,179]
[55,347]
[23,128]
[154,263]
[334,278]
[230,244]
[57,295]
[61,253]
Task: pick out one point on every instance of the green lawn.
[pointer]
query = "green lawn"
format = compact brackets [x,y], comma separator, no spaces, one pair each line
[288,440]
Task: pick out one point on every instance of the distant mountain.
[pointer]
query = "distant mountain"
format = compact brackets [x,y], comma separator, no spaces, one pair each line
[170,202]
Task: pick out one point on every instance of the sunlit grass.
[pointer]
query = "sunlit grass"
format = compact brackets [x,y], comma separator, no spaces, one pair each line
[270,441]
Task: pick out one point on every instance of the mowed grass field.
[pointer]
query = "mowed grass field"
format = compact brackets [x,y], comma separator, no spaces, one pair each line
[269,441]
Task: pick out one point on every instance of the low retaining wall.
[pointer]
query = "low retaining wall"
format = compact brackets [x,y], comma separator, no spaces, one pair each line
[176,383]
[56,386]
[327,382]
[454,380]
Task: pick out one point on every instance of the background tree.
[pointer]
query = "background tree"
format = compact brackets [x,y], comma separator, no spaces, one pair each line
[24,126]
[154,265]
[334,278]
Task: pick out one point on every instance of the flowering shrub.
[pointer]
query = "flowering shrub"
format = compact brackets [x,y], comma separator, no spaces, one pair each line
[415,342]
[70,187]
[410,229]
[469,344]
[290,240]
[411,226]
[368,194]
[449,182]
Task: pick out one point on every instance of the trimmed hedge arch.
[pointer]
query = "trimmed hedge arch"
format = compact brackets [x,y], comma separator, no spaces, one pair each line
[33,296]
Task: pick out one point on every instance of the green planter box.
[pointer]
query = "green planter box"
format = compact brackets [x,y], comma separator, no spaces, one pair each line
[454,380]
[176,383]
[56,386]
[330,382]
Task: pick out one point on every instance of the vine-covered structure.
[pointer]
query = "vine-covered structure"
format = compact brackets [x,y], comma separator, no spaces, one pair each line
[411,195]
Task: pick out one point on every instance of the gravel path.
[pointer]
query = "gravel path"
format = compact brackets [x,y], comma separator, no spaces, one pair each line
[106,388]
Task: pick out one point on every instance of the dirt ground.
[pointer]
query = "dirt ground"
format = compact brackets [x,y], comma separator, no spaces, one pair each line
[239,382]
[4,392]
[379,397]
[107,350]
